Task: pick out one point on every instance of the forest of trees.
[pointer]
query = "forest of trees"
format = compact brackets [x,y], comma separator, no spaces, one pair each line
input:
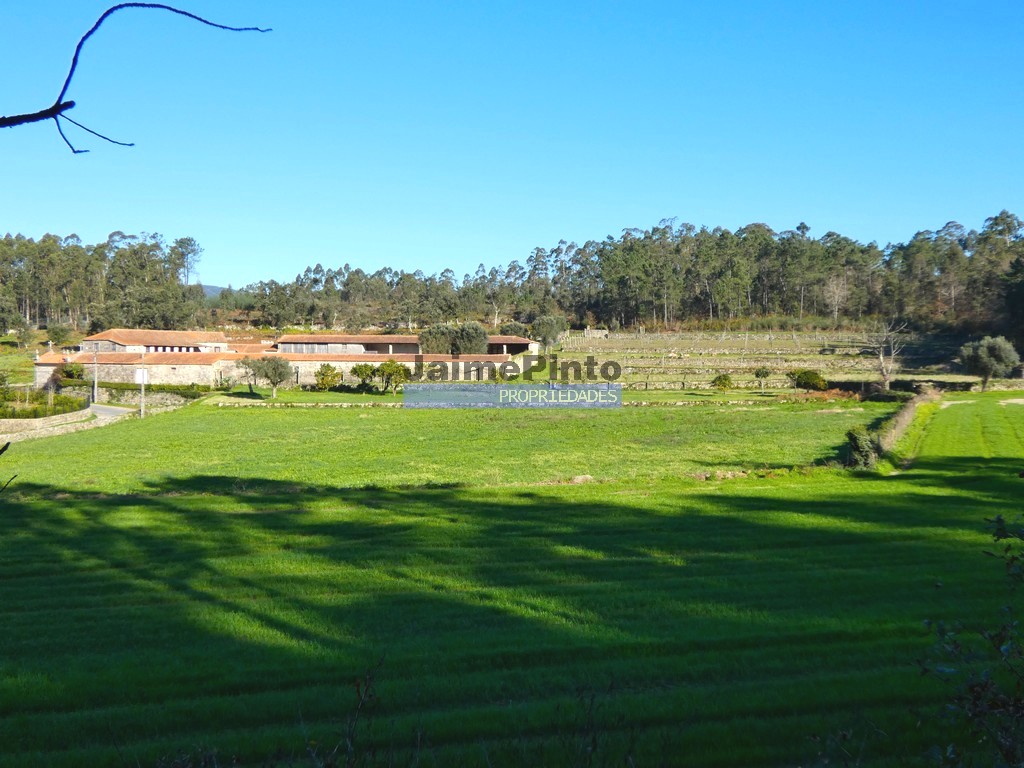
[668,276]
[127,281]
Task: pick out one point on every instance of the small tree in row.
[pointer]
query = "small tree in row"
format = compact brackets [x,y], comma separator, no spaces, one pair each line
[326,377]
[390,374]
[365,372]
[275,370]
[761,375]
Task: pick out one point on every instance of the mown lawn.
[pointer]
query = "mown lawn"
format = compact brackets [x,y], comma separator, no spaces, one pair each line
[673,620]
[242,447]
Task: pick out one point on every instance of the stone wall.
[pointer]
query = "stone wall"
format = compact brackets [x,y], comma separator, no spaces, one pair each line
[129,397]
[12,426]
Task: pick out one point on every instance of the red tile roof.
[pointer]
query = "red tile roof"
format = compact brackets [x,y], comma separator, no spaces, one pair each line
[209,358]
[158,338]
[508,340]
[341,338]
[250,349]
[377,338]
[376,357]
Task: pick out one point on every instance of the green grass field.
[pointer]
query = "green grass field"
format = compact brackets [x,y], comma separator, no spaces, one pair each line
[220,578]
[215,450]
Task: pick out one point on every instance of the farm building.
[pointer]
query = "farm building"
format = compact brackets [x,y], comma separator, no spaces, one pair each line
[185,357]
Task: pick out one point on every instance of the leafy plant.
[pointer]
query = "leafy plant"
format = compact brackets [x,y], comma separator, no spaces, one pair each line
[437,340]
[326,377]
[808,380]
[72,371]
[514,328]
[365,372]
[761,375]
[989,699]
[276,371]
[58,333]
[25,335]
[992,357]
[861,447]
[469,339]
[722,381]
[547,328]
[391,375]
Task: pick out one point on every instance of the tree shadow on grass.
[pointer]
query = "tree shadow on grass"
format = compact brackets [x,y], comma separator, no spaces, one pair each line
[237,613]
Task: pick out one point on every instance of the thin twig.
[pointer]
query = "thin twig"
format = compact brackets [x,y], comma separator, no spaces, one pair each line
[60,107]
[100,135]
[156,6]
[61,132]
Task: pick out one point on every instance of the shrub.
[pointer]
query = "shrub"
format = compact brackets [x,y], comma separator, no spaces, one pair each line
[514,328]
[40,408]
[365,372]
[547,327]
[861,448]
[327,377]
[58,333]
[391,375]
[722,381]
[470,339]
[186,391]
[437,340]
[988,358]
[807,379]
[72,371]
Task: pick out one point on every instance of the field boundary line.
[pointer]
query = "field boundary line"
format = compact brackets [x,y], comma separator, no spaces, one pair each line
[897,425]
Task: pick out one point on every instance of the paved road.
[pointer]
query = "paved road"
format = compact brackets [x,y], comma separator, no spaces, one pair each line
[109,412]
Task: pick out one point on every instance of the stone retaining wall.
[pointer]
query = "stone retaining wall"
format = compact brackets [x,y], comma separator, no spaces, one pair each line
[14,426]
[130,397]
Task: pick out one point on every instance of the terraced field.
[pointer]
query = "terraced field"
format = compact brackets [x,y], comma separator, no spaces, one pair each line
[692,360]
[211,580]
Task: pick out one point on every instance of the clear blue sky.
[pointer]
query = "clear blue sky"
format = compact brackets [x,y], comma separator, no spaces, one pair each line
[435,135]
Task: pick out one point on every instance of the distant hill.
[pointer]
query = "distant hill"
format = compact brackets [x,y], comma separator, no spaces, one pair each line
[212,291]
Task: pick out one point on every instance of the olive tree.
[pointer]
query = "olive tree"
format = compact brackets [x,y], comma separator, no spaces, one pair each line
[437,340]
[470,339]
[276,371]
[992,357]
[547,328]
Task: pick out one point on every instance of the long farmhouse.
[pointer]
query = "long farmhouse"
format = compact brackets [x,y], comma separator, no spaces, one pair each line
[188,357]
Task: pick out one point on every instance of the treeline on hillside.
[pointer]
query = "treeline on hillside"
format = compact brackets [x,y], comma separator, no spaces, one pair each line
[128,281]
[669,275]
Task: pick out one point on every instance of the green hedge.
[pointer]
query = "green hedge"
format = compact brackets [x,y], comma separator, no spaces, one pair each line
[61,404]
[187,391]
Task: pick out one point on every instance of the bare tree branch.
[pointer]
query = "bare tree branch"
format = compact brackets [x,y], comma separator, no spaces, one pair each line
[35,117]
[59,106]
